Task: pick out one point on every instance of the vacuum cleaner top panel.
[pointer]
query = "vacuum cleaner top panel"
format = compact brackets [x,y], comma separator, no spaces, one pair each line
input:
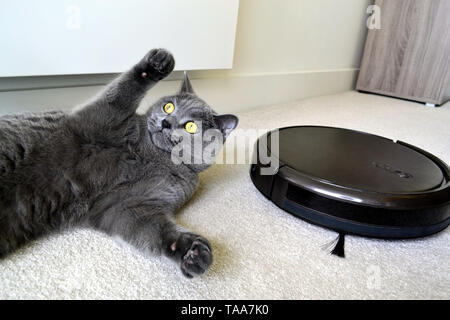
[356,160]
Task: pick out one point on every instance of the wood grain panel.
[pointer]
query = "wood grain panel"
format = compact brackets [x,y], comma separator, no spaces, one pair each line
[409,57]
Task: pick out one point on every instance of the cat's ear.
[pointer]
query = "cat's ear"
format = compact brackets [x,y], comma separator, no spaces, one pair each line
[226,123]
[186,87]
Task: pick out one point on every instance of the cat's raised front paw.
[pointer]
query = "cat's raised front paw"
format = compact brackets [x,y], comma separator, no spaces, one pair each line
[196,254]
[157,64]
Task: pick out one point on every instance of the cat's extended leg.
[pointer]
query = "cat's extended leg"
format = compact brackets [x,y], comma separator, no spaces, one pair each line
[151,230]
[121,97]
[192,251]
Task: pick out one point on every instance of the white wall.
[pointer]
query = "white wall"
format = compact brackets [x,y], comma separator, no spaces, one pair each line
[285,50]
[299,35]
[61,37]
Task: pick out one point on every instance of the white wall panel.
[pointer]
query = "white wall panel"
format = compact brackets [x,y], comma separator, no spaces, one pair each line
[54,37]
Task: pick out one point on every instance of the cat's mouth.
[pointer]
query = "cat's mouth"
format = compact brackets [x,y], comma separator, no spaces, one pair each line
[158,131]
[161,135]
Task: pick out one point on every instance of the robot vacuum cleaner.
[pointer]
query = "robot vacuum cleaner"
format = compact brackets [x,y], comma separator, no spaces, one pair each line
[353,182]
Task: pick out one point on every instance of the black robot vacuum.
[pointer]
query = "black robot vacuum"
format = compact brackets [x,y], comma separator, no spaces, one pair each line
[354,182]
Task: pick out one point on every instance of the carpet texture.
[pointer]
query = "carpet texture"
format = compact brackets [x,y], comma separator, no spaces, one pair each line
[260,251]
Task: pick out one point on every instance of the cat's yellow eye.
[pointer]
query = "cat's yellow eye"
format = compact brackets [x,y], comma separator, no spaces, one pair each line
[169,108]
[190,127]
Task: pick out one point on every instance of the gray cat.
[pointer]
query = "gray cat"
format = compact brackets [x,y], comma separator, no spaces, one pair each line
[108,168]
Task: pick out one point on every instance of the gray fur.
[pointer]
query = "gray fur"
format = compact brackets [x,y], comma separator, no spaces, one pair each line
[107,168]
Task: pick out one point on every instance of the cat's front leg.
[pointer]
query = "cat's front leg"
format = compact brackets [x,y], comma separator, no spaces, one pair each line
[155,66]
[127,91]
[193,252]
[150,228]
[122,97]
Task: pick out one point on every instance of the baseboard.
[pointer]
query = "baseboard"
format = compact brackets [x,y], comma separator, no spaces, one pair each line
[224,90]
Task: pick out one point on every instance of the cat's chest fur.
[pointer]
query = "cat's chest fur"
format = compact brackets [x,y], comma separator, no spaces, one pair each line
[157,179]
[63,169]
[136,171]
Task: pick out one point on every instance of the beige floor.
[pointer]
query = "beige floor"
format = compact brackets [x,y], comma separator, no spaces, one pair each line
[260,251]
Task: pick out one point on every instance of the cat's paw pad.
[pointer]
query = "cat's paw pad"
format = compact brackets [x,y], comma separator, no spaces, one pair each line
[158,64]
[198,256]
[197,259]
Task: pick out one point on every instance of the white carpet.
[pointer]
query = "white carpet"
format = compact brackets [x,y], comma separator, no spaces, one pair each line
[260,251]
